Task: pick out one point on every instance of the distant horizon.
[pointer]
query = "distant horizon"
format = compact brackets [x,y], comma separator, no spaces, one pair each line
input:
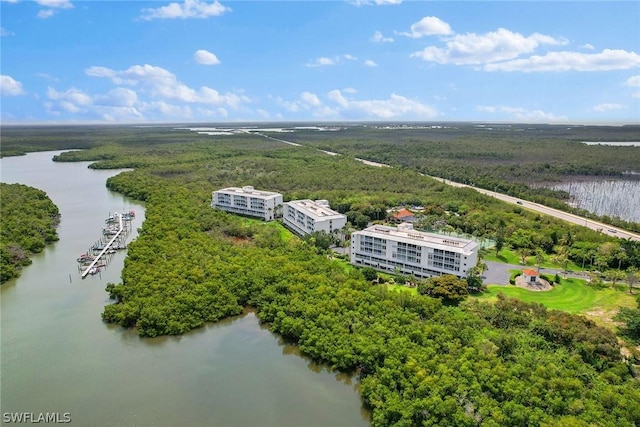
[316,122]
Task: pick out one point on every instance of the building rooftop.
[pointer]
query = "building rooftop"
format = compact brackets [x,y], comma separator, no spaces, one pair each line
[530,272]
[405,233]
[317,210]
[248,190]
[402,213]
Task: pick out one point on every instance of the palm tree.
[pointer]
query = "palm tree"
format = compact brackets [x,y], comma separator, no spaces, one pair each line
[632,277]
[539,258]
[614,276]
[561,256]
[524,253]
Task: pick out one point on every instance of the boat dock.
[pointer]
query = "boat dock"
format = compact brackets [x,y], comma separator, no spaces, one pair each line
[118,226]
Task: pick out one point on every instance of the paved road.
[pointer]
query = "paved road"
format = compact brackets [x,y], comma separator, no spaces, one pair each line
[569,217]
[498,273]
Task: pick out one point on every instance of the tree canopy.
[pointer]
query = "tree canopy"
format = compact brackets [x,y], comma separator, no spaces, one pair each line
[29,222]
[419,361]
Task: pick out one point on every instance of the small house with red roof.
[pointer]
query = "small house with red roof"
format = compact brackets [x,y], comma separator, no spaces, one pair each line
[402,215]
[530,276]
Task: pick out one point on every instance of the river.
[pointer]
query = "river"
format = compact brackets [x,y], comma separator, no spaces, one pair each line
[58,356]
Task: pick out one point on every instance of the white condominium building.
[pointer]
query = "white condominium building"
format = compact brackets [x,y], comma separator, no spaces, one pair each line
[413,252]
[248,201]
[306,216]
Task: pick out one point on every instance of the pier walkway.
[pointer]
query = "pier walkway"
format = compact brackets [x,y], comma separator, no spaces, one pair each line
[106,247]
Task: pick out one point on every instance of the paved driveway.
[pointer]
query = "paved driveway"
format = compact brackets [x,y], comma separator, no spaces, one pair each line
[498,272]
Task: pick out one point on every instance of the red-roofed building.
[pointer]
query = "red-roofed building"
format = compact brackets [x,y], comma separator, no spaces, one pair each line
[403,215]
[530,276]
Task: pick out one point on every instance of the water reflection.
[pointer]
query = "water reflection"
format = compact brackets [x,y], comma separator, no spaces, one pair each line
[57,354]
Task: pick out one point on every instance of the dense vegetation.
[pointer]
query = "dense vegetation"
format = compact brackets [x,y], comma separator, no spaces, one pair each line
[29,221]
[420,362]
[511,159]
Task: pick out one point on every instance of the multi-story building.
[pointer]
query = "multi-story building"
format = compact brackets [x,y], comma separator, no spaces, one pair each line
[248,201]
[405,250]
[306,216]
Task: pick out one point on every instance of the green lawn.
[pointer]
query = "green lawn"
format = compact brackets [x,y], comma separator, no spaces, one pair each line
[285,233]
[401,288]
[345,264]
[573,296]
[511,257]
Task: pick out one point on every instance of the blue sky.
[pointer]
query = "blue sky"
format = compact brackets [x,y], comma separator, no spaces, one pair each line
[66,61]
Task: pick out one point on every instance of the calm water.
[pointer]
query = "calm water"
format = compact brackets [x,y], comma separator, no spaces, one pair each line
[58,356]
[619,198]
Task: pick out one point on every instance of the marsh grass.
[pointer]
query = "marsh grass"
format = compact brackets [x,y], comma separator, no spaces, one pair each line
[613,198]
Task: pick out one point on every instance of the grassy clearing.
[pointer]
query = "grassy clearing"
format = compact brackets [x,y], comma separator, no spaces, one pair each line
[345,264]
[511,257]
[285,233]
[401,288]
[573,296]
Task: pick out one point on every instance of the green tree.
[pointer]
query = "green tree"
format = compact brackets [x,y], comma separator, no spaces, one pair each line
[561,256]
[369,274]
[523,253]
[320,239]
[630,317]
[614,276]
[633,275]
[474,279]
[539,258]
[447,287]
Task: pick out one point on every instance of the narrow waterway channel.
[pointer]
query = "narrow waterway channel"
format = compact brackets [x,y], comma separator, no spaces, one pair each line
[58,356]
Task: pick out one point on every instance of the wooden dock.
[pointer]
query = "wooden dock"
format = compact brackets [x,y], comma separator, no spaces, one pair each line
[106,248]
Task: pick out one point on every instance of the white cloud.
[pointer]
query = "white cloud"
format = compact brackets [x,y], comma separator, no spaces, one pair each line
[188,9]
[46,77]
[52,4]
[521,114]
[310,99]
[379,38]
[73,96]
[325,61]
[336,104]
[607,60]
[168,110]
[473,49]
[264,114]
[396,106]
[633,81]
[486,108]
[58,4]
[370,63]
[9,86]
[118,97]
[588,46]
[601,108]
[161,83]
[45,13]
[375,2]
[205,57]
[428,26]
[322,62]
[4,32]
